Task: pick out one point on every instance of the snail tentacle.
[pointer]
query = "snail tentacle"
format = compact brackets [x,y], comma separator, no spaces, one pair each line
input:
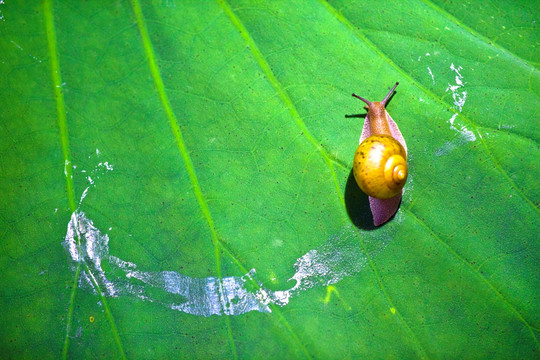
[389,94]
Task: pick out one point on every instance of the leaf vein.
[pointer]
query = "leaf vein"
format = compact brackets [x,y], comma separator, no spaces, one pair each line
[429,93]
[329,160]
[475,33]
[64,136]
[177,133]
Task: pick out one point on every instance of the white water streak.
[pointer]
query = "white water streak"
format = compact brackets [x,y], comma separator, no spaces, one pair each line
[431,74]
[339,257]
[459,95]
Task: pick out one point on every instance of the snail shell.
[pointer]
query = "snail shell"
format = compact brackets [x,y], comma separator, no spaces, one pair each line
[380,166]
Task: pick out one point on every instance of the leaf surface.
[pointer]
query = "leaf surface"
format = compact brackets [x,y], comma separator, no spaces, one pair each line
[175,180]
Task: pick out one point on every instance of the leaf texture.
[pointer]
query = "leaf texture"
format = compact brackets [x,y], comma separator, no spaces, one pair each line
[163,157]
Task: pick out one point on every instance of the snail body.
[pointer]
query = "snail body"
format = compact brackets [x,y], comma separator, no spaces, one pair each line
[380,162]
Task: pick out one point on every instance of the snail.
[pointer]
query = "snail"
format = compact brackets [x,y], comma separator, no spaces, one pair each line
[380,162]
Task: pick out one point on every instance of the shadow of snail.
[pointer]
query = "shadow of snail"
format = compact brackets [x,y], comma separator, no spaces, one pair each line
[357,205]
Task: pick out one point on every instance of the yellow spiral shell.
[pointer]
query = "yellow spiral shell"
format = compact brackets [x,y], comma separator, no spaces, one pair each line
[380,166]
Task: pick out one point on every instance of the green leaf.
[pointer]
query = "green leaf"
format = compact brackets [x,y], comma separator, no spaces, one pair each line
[175,180]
